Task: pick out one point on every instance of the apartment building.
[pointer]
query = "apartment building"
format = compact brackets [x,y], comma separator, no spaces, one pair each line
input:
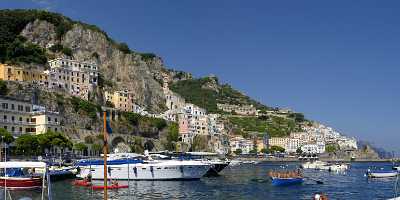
[21,117]
[122,100]
[278,141]
[17,73]
[77,78]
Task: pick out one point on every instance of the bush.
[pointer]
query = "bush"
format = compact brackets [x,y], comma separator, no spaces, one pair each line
[124,48]
[275,149]
[147,56]
[238,151]
[3,88]
[89,108]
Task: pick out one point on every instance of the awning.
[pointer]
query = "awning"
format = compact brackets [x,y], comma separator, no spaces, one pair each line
[22,164]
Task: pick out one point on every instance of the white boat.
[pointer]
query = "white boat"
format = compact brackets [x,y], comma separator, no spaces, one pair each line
[337,167]
[381,174]
[314,165]
[140,169]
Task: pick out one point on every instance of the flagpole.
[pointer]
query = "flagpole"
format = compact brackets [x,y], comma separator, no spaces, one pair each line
[105,155]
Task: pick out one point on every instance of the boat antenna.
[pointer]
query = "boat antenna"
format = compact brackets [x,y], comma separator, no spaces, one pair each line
[105,154]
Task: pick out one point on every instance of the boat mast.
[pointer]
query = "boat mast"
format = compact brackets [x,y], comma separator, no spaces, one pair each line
[105,155]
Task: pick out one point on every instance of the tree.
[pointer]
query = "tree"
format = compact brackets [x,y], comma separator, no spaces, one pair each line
[330,148]
[27,144]
[275,149]
[299,151]
[96,148]
[81,147]
[3,88]
[7,137]
[238,151]
[264,150]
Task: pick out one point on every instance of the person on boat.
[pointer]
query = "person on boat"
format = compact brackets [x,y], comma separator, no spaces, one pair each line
[320,196]
[114,183]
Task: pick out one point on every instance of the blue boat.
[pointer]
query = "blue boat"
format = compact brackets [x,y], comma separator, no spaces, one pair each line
[286,181]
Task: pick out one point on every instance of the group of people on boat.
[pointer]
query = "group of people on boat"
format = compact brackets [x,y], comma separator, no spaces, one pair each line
[286,174]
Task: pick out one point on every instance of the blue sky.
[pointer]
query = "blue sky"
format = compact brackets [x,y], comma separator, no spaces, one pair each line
[336,61]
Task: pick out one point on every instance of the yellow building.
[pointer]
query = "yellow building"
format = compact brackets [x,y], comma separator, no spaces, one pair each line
[19,117]
[16,73]
[260,145]
[122,100]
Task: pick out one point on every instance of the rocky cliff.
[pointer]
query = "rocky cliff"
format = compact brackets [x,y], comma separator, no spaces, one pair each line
[127,70]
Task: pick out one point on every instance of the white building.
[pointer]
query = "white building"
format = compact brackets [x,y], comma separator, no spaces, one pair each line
[292,145]
[75,77]
[240,143]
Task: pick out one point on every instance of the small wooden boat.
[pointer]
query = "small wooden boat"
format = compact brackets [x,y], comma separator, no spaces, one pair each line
[286,181]
[100,187]
[382,174]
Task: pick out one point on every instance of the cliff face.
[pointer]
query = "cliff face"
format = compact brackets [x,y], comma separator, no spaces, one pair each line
[127,70]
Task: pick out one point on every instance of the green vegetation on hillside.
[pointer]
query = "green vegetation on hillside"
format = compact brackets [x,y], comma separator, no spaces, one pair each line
[193,91]
[15,49]
[274,126]
[87,107]
[3,88]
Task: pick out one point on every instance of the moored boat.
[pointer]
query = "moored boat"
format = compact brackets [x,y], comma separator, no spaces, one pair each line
[284,178]
[141,168]
[21,175]
[382,173]
[276,181]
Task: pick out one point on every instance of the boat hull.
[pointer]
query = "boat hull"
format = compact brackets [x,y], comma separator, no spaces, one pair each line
[382,174]
[20,183]
[159,171]
[286,181]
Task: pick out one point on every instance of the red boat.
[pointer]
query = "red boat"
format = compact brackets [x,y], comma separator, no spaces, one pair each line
[100,187]
[15,178]
[82,183]
[21,182]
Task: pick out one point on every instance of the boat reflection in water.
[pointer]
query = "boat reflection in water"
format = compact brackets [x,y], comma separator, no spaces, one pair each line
[124,166]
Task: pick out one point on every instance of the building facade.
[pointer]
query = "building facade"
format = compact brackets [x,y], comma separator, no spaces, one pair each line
[122,100]
[30,75]
[77,78]
[20,117]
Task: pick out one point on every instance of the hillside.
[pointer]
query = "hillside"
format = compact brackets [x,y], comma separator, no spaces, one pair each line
[207,92]
[29,38]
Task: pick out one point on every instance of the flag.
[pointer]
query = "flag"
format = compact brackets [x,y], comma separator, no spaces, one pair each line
[108,123]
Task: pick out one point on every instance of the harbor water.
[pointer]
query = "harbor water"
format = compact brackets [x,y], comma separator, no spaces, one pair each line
[245,181]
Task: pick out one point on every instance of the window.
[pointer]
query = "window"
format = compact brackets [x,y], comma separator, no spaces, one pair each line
[55,129]
[55,119]
[12,107]
[27,109]
[20,119]
[4,105]
[12,118]
[5,117]
[49,119]
[20,108]
[13,129]
[5,127]
[20,129]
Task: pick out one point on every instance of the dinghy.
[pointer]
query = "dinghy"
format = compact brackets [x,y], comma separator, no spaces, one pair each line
[381,174]
[101,187]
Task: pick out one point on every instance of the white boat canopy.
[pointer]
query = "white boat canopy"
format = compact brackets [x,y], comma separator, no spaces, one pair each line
[22,164]
[202,153]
